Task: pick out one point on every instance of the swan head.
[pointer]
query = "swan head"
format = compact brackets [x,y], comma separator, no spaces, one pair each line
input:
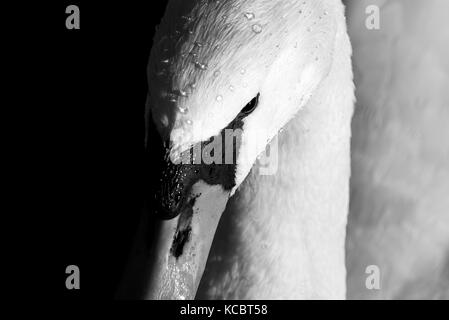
[228,68]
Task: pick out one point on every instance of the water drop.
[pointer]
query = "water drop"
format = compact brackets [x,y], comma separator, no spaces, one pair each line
[231,87]
[172,97]
[201,66]
[219,98]
[183,110]
[242,71]
[249,15]
[189,122]
[257,28]
[164,120]
[165,61]
[187,18]
[217,73]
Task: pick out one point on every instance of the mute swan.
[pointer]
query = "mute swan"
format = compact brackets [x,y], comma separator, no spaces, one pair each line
[209,60]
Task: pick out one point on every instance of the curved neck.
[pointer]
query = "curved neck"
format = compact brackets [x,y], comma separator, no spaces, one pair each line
[284,234]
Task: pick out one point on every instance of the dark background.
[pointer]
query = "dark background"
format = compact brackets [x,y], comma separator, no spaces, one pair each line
[89,181]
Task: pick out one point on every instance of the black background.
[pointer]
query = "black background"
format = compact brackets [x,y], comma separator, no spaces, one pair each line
[86,91]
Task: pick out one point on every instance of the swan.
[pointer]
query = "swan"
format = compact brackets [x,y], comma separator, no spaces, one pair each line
[273,71]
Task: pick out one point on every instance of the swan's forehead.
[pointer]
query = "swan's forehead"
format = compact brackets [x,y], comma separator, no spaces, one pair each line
[210,57]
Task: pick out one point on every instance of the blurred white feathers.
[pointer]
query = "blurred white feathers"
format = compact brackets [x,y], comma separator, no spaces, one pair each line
[399,212]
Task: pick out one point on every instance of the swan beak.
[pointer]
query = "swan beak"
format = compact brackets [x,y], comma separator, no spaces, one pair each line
[184,242]
[188,204]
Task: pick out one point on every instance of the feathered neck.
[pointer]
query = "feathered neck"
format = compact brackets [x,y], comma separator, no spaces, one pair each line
[283,235]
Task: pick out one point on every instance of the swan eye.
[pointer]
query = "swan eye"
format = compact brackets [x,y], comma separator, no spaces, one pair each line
[250,107]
